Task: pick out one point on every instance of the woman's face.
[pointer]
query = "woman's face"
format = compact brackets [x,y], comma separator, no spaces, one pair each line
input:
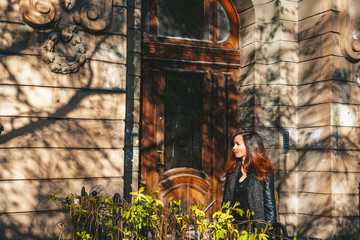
[239,148]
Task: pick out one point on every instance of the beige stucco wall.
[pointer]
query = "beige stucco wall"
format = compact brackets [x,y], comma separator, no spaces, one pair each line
[268,92]
[294,77]
[65,131]
[327,111]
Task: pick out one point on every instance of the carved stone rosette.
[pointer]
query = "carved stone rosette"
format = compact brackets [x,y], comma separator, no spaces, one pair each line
[350,29]
[64,17]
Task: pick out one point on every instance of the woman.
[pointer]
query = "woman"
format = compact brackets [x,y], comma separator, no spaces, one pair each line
[250,178]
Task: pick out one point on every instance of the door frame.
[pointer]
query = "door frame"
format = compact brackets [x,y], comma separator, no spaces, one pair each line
[220,63]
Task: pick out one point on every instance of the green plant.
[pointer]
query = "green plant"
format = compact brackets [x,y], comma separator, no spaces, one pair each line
[223,224]
[101,216]
[144,214]
[90,217]
[83,235]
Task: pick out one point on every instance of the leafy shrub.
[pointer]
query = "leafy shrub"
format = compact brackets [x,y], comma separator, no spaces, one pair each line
[100,216]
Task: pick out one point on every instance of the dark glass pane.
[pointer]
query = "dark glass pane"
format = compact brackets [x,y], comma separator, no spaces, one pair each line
[223,24]
[185,18]
[146,16]
[183,120]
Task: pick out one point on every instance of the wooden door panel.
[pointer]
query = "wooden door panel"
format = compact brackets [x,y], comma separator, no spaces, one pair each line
[148,138]
[190,183]
[191,186]
[183,101]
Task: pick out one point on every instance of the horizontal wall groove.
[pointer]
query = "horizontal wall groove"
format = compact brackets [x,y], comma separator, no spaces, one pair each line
[257,62]
[34,212]
[328,55]
[268,42]
[60,148]
[60,179]
[78,89]
[315,193]
[194,62]
[317,14]
[267,84]
[42,118]
[317,58]
[325,80]
[319,35]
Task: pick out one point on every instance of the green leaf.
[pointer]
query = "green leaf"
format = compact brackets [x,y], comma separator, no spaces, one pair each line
[263,236]
[243,235]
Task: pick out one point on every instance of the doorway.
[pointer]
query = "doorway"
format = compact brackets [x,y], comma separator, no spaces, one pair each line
[188,91]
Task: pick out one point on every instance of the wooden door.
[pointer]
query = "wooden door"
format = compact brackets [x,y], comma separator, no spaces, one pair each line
[188,91]
[184,138]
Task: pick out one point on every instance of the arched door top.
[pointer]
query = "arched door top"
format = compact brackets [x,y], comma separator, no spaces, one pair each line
[212,23]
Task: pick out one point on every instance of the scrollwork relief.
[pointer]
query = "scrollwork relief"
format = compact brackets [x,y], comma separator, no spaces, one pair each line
[64,17]
[39,14]
[350,29]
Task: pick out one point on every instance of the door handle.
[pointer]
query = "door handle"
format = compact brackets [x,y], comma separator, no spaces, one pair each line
[160,159]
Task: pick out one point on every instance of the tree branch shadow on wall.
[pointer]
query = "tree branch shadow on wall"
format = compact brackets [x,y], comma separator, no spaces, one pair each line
[56,136]
[265,106]
[272,111]
[44,130]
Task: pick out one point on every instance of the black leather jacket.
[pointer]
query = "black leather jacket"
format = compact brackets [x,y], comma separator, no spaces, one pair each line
[261,196]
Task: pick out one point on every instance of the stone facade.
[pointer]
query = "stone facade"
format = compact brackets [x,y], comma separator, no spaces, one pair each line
[65,131]
[299,80]
[299,68]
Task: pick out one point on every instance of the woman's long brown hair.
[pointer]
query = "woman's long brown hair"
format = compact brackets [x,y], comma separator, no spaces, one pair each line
[256,160]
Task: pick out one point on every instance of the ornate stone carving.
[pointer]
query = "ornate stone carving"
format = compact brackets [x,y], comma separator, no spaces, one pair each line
[350,29]
[64,17]
[66,35]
